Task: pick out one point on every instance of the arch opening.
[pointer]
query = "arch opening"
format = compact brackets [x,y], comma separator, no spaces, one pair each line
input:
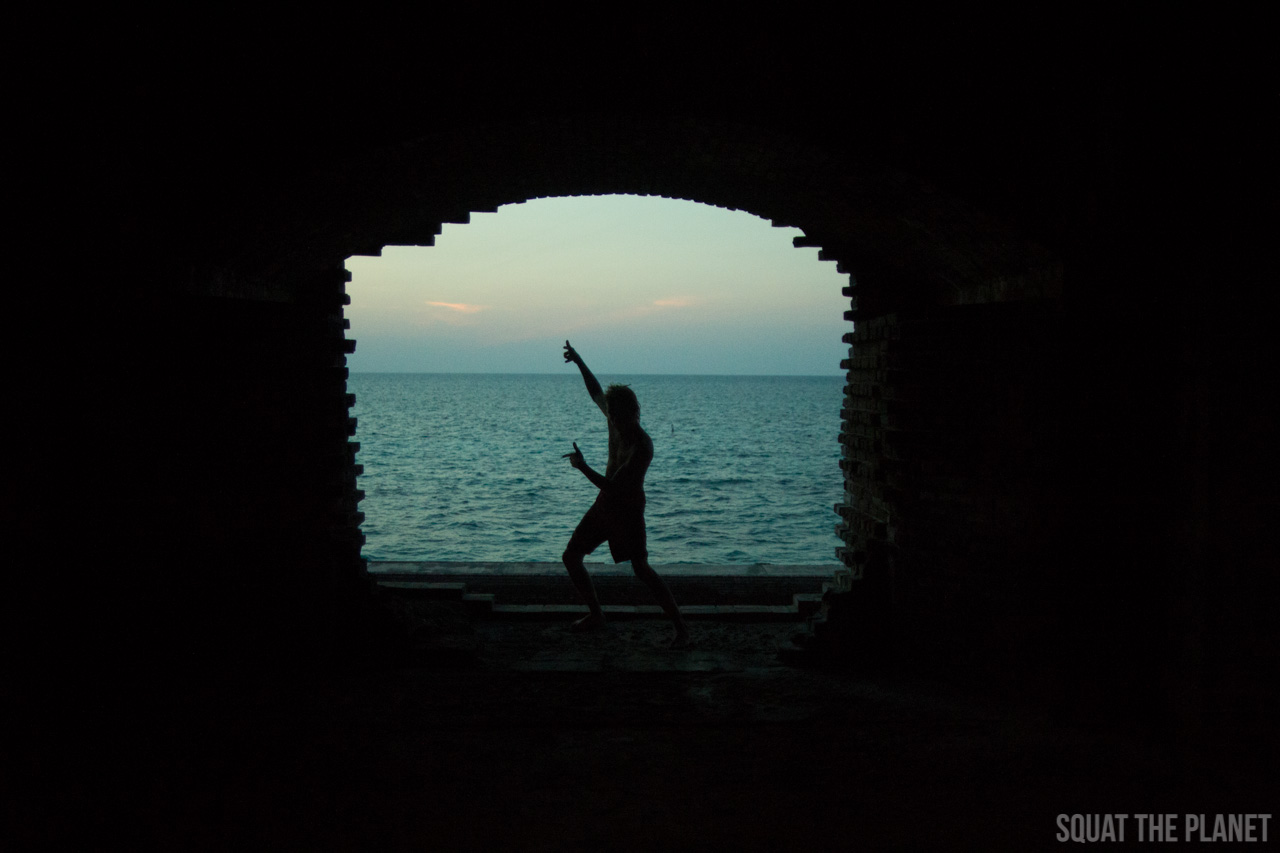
[951,307]
[733,339]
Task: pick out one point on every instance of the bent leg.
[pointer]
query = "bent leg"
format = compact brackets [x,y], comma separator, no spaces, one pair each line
[645,572]
[572,560]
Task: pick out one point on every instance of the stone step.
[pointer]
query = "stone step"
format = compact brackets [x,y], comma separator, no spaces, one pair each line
[628,612]
[479,603]
[485,605]
[808,603]
[435,591]
[514,583]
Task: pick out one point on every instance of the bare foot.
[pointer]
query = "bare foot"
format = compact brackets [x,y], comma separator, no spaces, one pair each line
[590,622]
[681,640]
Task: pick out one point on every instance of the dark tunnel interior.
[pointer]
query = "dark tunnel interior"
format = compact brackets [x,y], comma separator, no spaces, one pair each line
[1055,441]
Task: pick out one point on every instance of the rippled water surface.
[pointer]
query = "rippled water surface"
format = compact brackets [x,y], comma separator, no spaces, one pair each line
[469,467]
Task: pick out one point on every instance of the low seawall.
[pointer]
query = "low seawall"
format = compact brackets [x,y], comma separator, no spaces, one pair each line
[548,583]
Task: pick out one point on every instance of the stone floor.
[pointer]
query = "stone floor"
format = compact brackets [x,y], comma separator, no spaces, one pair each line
[497,735]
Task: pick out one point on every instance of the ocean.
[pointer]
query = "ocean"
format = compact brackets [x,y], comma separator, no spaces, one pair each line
[469,467]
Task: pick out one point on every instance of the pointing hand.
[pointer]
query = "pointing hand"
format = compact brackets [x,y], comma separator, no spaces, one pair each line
[575,458]
[570,354]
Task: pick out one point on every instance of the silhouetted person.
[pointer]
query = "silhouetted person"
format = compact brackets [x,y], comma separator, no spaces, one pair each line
[618,512]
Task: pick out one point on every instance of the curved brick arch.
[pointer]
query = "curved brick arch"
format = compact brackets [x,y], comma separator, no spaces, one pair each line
[182,486]
[908,244]
[957,330]
[911,501]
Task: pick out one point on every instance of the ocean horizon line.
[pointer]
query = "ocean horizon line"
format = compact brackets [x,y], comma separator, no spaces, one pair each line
[601,372]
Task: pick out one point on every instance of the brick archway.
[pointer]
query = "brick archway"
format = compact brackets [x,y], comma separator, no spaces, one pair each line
[956,319]
[910,245]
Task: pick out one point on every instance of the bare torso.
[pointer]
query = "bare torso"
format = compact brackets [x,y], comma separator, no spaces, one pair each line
[633,447]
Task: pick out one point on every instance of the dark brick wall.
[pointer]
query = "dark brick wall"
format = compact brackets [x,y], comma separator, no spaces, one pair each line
[211,487]
[954,421]
[180,439]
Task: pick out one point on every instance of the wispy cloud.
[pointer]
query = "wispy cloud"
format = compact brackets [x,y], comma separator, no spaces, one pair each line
[460,307]
[655,310]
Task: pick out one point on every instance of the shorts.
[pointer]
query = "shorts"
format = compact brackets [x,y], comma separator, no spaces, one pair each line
[622,524]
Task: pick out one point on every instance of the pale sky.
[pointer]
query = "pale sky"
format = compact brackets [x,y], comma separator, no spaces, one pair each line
[638,284]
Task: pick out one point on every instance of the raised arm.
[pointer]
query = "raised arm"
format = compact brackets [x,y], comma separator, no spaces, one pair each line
[593,386]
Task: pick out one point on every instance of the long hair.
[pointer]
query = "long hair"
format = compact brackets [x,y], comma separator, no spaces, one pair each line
[622,402]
